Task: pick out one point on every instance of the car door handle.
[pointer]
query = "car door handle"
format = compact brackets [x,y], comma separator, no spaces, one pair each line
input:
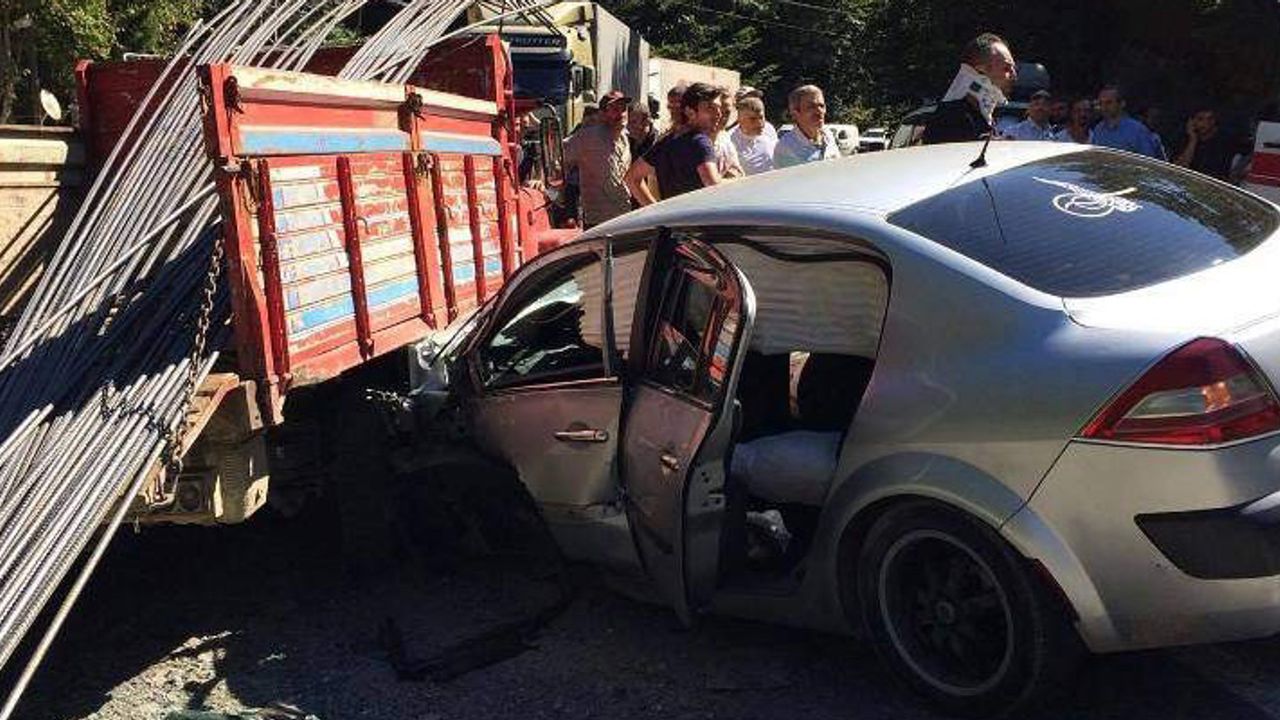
[669,461]
[590,435]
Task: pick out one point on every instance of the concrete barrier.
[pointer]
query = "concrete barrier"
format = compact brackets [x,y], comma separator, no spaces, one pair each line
[42,172]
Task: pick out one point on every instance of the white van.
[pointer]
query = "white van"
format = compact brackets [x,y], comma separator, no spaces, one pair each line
[1264,172]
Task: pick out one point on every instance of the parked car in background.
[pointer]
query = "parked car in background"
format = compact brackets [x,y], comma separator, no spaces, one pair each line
[873,140]
[847,137]
[1055,433]
[1263,177]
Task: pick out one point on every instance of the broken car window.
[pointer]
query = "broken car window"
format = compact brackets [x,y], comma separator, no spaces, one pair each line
[551,336]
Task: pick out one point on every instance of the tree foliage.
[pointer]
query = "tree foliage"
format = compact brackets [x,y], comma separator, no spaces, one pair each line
[876,58]
[40,41]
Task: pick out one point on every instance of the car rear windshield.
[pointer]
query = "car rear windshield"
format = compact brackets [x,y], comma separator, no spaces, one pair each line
[1093,223]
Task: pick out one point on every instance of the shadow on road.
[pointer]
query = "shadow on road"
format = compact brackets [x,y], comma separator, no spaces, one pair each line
[248,616]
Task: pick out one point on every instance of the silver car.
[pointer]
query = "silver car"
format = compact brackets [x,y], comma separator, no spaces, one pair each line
[986,411]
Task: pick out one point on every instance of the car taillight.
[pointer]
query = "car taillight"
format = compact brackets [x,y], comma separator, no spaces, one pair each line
[1203,393]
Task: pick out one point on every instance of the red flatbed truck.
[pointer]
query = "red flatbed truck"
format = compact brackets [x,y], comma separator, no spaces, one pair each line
[357,217]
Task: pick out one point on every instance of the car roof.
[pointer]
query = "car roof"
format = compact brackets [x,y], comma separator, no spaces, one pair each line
[873,183]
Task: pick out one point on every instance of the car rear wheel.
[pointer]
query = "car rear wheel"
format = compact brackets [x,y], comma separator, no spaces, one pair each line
[955,612]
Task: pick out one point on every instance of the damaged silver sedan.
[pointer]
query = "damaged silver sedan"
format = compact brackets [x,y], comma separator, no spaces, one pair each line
[986,417]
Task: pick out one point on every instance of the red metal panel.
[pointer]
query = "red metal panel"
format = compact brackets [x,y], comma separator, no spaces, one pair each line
[355,259]
[380,212]
[109,94]
[508,216]
[476,220]
[267,241]
[446,252]
[455,210]
[314,279]
[417,169]
[383,210]
[248,297]
[488,211]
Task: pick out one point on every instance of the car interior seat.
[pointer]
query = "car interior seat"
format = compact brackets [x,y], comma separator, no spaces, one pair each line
[796,466]
[829,390]
[764,391]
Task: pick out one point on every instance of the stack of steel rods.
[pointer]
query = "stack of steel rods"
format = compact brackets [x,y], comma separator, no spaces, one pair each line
[397,49]
[96,376]
[103,376]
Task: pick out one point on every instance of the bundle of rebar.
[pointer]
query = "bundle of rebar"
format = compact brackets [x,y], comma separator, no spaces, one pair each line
[131,312]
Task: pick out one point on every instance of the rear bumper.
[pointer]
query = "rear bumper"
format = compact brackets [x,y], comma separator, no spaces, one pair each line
[1157,547]
[1232,543]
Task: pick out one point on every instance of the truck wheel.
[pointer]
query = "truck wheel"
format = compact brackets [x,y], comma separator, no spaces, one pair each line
[470,495]
[953,610]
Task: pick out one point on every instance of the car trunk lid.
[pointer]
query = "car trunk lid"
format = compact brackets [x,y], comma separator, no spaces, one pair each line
[1220,299]
[1237,301]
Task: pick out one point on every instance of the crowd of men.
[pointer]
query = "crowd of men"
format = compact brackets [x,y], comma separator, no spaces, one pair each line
[622,160]
[986,76]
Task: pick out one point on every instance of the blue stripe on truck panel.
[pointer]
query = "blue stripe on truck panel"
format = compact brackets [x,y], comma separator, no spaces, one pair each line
[460,144]
[342,307]
[311,318]
[326,141]
[388,294]
[465,271]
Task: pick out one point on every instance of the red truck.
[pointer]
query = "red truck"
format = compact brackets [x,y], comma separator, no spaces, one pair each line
[358,217]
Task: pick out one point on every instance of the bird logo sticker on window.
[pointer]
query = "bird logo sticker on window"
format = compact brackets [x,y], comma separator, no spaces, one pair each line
[1085,203]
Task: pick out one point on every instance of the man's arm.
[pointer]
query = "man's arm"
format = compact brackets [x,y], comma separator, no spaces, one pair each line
[733,164]
[710,174]
[1189,150]
[782,157]
[571,152]
[1157,145]
[637,181]
[708,166]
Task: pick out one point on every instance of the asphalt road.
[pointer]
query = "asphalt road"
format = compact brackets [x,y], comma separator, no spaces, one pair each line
[247,617]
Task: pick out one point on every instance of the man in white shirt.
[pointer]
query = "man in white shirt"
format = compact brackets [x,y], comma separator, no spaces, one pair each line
[755,147]
[1036,126]
[812,139]
[726,153]
[746,91]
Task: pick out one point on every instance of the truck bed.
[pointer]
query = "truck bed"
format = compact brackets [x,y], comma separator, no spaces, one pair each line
[358,216]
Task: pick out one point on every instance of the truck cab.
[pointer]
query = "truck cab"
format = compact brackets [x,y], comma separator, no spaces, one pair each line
[569,54]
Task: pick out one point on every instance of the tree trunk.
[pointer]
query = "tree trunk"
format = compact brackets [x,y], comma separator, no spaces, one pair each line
[8,63]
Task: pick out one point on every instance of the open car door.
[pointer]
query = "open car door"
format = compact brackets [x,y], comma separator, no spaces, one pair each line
[694,320]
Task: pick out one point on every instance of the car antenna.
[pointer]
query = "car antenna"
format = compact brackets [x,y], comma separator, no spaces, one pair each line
[981,160]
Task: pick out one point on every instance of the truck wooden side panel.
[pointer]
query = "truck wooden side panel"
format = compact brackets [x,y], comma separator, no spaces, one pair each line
[358,216]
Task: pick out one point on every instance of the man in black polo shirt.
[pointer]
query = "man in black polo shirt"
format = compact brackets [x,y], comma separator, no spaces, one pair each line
[1207,150]
[986,75]
[685,160]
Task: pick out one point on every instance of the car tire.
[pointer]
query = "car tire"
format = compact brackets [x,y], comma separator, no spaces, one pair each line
[957,614]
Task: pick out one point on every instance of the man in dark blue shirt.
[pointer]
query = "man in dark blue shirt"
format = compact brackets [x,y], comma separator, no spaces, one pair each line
[1119,131]
[682,161]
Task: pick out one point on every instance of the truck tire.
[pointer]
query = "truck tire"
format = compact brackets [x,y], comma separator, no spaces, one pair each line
[359,479]
[444,508]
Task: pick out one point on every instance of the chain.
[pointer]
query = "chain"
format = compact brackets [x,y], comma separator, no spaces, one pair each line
[176,438]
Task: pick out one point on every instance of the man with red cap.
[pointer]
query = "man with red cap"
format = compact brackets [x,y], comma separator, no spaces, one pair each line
[602,155]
